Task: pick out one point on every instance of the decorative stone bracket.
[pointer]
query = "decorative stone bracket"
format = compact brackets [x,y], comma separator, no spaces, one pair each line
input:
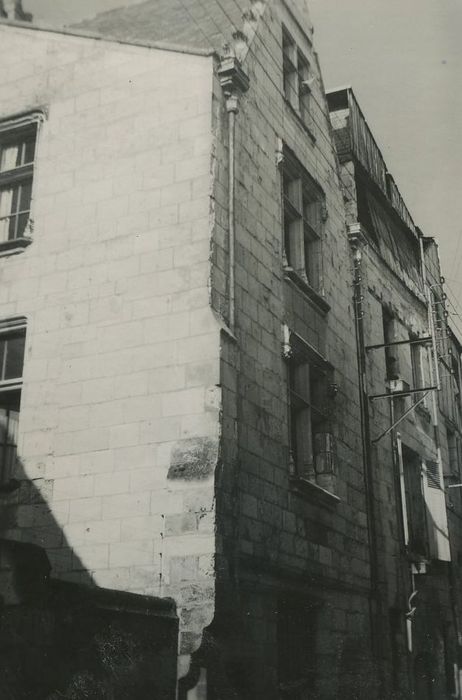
[234,82]
[356,236]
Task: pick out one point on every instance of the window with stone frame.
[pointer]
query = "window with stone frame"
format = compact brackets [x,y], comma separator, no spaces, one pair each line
[12,347]
[306,416]
[455,373]
[390,336]
[452,473]
[18,139]
[415,502]
[296,71]
[311,443]
[420,365]
[454,454]
[304,214]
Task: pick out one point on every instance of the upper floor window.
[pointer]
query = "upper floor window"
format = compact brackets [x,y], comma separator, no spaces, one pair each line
[455,372]
[423,505]
[12,346]
[454,454]
[17,154]
[391,351]
[306,416]
[452,468]
[304,213]
[420,365]
[417,538]
[296,77]
[311,443]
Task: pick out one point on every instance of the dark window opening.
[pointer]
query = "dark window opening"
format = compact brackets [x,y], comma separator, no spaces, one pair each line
[12,347]
[303,205]
[307,385]
[9,422]
[455,372]
[296,75]
[389,336]
[415,502]
[311,391]
[454,453]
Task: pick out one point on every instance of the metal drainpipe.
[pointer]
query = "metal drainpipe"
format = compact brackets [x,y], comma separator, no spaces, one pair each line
[232,109]
[375,611]
[234,83]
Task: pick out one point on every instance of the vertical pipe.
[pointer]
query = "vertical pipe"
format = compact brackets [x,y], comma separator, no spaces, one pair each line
[375,611]
[232,108]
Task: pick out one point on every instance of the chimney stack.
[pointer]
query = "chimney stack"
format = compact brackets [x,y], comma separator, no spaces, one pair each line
[12,9]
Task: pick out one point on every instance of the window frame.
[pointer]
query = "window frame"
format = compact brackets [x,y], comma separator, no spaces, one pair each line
[392,359]
[307,409]
[455,374]
[303,218]
[454,453]
[10,402]
[420,368]
[296,73]
[11,130]
[414,472]
[305,415]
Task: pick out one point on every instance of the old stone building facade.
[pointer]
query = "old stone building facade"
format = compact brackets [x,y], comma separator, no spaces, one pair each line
[198,250]
[409,363]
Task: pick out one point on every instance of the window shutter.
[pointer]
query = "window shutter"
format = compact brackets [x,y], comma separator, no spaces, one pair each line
[436,512]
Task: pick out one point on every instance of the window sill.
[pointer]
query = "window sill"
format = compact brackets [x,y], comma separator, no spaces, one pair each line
[297,116]
[10,384]
[314,493]
[17,245]
[307,289]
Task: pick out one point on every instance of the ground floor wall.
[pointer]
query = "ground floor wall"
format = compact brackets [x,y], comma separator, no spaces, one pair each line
[65,641]
[280,636]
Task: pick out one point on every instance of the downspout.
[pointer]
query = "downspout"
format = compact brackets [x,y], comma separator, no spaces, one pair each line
[232,107]
[357,242]
[234,83]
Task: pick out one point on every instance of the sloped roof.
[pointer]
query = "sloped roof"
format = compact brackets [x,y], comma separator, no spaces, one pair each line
[199,24]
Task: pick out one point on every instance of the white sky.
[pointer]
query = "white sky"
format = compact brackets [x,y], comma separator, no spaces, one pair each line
[404,61]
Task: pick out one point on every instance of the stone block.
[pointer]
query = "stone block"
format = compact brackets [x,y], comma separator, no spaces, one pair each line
[125,505]
[85,509]
[134,553]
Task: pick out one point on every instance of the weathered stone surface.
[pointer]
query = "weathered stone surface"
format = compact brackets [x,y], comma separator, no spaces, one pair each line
[193,459]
